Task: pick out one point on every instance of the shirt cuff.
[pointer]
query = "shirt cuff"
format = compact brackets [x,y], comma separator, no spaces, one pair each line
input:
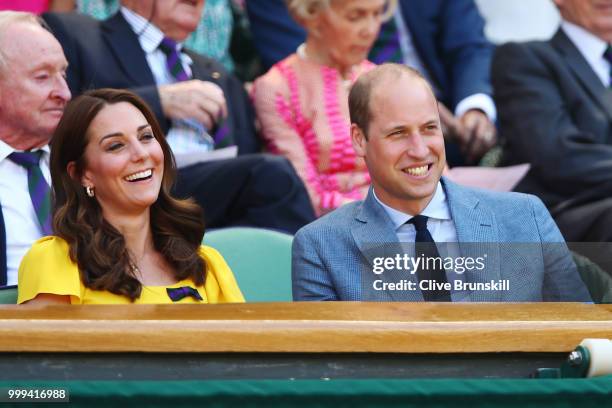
[477,101]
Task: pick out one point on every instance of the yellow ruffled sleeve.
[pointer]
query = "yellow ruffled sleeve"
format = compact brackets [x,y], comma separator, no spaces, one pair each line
[47,268]
[220,285]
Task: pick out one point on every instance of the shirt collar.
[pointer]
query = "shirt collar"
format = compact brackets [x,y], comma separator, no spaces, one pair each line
[437,209]
[150,36]
[589,45]
[6,150]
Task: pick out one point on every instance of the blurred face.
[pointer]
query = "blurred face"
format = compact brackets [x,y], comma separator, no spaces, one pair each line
[124,161]
[176,18]
[33,89]
[347,29]
[593,15]
[404,151]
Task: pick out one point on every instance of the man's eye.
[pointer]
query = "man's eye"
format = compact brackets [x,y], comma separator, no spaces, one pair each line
[42,77]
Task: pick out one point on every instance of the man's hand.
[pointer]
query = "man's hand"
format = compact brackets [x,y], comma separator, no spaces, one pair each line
[195,99]
[479,134]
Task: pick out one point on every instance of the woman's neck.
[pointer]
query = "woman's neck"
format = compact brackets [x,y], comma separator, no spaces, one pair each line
[136,230]
[313,50]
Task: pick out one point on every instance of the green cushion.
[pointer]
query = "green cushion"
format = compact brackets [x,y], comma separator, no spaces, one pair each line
[260,260]
[8,295]
[597,281]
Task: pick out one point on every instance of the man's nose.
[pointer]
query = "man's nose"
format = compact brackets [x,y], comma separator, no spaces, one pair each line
[61,90]
[417,146]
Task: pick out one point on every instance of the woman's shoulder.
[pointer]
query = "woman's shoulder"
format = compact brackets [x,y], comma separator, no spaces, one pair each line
[210,254]
[47,245]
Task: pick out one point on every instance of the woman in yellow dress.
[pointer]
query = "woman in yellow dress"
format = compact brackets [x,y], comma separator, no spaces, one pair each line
[119,235]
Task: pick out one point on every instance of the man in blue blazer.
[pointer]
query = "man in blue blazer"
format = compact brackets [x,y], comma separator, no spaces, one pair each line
[443,38]
[354,253]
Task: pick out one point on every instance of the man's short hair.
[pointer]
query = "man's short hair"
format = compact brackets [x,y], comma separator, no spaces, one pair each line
[361,91]
[9,17]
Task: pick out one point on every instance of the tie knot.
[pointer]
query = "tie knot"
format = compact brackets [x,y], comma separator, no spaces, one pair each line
[420,222]
[608,54]
[168,46]
[26,159]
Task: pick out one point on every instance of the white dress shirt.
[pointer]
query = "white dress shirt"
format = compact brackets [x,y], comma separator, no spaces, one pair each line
[20,221]
[185,135]
[411,58]
[592,49]
[440,225]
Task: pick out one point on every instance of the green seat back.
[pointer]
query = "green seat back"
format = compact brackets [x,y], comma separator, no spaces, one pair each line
[260,260]
[8,295]
[597,281]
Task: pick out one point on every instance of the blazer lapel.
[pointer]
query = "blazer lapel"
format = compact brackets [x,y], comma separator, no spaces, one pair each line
[125,46]
[583,71]
[477,234]
[375,237]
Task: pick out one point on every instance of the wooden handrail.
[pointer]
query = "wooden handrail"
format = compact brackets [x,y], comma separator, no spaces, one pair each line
[305,327]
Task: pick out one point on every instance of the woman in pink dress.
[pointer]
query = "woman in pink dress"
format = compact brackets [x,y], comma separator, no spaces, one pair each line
[302,102]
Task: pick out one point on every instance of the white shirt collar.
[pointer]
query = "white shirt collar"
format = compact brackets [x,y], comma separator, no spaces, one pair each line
[437,209]
[6,150]
[150,36]
[589,45]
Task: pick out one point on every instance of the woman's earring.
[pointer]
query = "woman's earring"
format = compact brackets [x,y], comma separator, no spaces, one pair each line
[90,191]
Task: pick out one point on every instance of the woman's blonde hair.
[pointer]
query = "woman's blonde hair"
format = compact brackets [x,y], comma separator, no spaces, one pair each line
[302,10]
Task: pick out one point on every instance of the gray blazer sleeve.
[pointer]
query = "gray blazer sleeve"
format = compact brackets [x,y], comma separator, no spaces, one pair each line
[562,282]
[310,278]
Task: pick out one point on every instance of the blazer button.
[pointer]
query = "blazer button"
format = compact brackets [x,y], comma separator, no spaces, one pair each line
[216,75]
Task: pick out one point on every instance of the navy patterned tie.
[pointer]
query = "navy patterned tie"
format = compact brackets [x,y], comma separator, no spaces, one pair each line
[40,193]
[425,245]
[177,294]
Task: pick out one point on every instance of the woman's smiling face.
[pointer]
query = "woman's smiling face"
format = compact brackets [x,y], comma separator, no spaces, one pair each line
[124,162]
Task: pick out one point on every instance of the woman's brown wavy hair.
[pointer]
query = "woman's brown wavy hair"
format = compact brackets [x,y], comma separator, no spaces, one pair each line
[96,246]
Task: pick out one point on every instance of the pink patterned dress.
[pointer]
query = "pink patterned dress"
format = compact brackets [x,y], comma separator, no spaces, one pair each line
[302,107]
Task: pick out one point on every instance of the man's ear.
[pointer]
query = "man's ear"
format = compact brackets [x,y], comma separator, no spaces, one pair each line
[359,140]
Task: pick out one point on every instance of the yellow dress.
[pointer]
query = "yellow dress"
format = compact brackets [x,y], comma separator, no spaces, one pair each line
[47,268]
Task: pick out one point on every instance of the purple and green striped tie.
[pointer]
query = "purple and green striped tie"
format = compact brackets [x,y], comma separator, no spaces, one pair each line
[387,47]
[40,193]
[175,66]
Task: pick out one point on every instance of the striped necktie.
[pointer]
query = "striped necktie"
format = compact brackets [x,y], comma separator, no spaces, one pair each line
[387,47]
[608,56]
[40,193]
[173,59]
[175,66]
[424,244]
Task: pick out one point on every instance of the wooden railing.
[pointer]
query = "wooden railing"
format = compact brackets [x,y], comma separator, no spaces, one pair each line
[304,327]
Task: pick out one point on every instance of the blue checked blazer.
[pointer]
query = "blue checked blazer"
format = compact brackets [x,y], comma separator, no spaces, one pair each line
[329,254]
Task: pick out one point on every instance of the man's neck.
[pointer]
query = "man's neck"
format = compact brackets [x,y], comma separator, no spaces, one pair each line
[22,142]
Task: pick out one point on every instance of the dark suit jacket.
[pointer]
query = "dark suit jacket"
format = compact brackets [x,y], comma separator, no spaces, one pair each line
[448,35]
[107,54]
[554,113]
